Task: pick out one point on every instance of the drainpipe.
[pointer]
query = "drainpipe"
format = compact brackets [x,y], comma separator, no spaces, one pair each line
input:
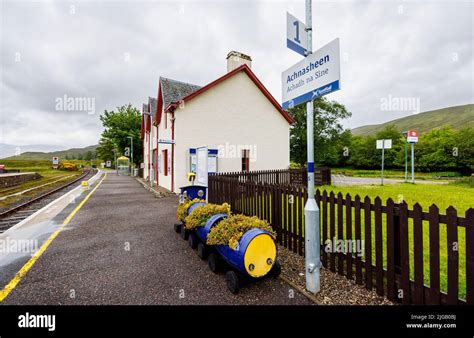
[172,151]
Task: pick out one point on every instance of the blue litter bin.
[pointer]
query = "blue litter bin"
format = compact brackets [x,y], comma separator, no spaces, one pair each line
[194,191]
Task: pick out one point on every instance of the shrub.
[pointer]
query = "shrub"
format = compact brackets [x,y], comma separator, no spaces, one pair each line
[230,230]
[66,165]
[183,208]
[201,214]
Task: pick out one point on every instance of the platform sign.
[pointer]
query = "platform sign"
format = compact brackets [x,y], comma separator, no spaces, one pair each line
[384,144]
[316,75]
[55,162]
[202,166]
[412,136]
[162,141]
[296,35]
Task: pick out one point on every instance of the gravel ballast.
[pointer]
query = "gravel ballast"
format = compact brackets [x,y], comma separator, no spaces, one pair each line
[335,289]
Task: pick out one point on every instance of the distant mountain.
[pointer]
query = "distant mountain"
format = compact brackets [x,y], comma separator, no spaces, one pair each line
[7,150]
[70,153]
[456,117]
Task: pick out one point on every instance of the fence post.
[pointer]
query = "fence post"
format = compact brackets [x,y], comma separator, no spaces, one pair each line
[470,256]
[396,240]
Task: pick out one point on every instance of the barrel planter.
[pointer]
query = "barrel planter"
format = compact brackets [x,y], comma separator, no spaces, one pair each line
[254,257]
[181,227]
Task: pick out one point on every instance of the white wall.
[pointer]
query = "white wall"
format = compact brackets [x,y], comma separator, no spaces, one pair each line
[237,113]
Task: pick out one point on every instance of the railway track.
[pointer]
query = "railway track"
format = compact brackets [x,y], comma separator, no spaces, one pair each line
[18,213]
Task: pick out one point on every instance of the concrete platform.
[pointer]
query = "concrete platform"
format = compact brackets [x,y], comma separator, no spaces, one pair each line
[120,248]
[11,179]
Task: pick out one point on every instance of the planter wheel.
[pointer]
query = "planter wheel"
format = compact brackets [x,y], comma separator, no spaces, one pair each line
[213,262]
[202,252]
[193,240]
[177,227]
[276,269]
[232,282]
[184,233]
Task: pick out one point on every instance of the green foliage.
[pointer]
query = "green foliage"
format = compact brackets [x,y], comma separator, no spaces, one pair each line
[442,149]
[121,124]
[201,214]
[230,230]
[105,150]
[329,136]
[465,182]
[183,208]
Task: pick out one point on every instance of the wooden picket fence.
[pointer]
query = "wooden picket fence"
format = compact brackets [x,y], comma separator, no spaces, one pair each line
[401,247]
[294,177]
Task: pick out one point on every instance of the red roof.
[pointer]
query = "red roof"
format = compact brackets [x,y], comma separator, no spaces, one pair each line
[252,76]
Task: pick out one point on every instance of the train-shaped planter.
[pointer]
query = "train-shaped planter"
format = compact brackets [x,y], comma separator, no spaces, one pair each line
[254,258]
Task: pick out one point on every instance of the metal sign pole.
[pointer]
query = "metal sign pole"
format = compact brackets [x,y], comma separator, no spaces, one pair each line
[383,156]
[412,163]
[406,161]
[311,210]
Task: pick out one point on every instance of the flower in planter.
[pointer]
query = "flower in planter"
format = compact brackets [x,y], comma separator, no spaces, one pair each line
[230,230]
[182,209]
[200,215]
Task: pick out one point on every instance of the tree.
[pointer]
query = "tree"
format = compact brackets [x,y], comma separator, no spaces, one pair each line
[463,150]
[328,132]
[88,156]
[105,150]
[120,124]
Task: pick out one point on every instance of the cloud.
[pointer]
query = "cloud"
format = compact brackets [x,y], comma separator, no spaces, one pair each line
[114,52]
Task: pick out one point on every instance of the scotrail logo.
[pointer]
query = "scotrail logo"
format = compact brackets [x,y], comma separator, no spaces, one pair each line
[322,91]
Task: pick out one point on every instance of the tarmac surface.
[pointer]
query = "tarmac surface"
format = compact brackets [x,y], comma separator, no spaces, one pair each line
[120,248]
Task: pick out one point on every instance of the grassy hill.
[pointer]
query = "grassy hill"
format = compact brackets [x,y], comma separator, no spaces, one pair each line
[457,117]
[71,153]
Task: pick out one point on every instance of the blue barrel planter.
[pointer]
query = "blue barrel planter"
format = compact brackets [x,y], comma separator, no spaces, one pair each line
[194,206]
[193,191]
[203,231]
[254,256]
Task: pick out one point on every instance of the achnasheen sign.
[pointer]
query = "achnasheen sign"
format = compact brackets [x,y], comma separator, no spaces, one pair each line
[316,75]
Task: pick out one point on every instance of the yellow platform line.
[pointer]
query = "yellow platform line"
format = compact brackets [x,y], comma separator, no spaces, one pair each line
[28,265]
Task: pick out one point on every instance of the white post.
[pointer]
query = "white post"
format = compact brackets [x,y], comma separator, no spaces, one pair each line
[311,210]
[383,155]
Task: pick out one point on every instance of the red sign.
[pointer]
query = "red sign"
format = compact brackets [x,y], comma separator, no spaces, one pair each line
[412,136]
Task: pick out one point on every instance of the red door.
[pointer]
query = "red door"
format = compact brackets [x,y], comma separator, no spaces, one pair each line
[155,165]
[165,162]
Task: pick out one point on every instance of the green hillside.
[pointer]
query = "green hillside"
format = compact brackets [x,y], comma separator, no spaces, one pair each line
[73,153]
[457,117]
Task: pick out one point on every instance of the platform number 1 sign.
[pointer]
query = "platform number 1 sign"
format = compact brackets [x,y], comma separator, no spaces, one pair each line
[296,35]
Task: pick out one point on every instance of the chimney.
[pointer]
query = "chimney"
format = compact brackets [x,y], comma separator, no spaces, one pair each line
[237,59]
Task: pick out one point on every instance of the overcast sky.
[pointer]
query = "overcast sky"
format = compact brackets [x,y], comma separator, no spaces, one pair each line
[112,53]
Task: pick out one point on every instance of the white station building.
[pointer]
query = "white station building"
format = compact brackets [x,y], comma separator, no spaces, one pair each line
[235,116]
